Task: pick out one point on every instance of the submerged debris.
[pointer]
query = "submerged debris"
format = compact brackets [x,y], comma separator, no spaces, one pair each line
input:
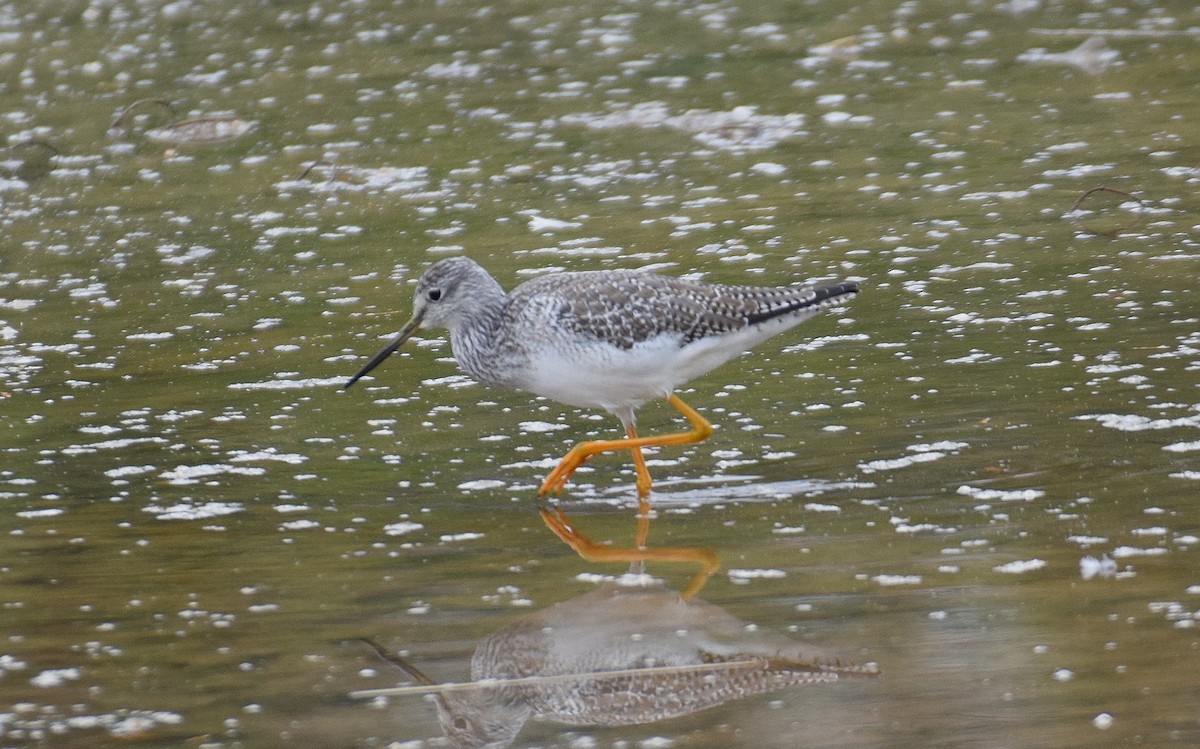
[202,130]
[847,48]
[1092,57]
[115,129]
[30,159]
[1129,212]
[205,130]
[319,164]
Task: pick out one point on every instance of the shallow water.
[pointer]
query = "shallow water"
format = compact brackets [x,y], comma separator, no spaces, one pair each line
[199,523]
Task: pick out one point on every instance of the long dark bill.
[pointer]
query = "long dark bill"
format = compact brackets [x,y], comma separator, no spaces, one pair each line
[412,326]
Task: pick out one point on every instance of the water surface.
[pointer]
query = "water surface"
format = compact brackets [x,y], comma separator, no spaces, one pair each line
[197,520]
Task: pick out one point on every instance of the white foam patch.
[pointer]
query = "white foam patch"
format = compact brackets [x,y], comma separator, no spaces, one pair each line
[55,677]
[47,513]
[738,130]
[307,383]
[1001,495]
[892,580]
[755,574]
[404,181]
[149,336]
[1020,566]
[1090,567]
[943,446]
[270,453]
[185,475]
[537,427]
[401,528]
[299,525]
[186,511]
[1182,447]
[1123,552]
[123,471]
[900,525]
[116,444]
[922,453]
[892,464]
[480,485]
[1135,423]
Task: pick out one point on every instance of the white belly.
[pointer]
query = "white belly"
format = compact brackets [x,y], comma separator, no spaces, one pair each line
[596,376]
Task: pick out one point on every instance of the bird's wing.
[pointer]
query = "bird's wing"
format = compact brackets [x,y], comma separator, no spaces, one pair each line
[629,307]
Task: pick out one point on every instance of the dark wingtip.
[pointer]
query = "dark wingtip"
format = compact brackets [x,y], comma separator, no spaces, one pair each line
[836,290]
[821,296]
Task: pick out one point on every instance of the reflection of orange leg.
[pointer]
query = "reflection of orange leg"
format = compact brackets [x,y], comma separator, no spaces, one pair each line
[639,464]
[708,560]
[701,430]
[643,524]
[643,486]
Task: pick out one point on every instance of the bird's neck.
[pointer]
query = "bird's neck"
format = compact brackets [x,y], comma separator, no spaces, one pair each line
[475,337]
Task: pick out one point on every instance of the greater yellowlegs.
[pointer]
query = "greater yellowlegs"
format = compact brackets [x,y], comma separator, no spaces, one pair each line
[630,652]
[602,339]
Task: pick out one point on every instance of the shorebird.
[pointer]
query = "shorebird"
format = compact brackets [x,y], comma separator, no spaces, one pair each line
[611,339]
[630,652]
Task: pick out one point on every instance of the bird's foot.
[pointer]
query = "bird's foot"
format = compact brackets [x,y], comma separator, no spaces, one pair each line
[557,480]
[553,484]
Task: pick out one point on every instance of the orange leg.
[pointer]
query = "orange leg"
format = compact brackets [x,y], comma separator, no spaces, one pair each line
[701,430]
[639,465]
[708,560]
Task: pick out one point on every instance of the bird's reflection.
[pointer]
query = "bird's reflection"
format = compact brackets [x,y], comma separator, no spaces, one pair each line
[630,652]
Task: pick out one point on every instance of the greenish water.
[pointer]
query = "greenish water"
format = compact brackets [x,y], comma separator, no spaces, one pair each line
[197,520]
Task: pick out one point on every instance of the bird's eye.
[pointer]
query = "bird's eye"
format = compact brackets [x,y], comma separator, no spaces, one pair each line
[434,294]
